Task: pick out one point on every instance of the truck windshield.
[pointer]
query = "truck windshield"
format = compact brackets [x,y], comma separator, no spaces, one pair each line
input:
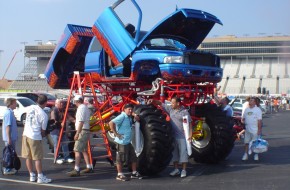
[163,43]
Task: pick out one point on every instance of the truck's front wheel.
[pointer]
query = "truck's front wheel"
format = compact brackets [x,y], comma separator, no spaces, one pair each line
[157,140]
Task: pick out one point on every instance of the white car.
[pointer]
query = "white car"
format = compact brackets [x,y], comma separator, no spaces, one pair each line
[264,106]
[20,111]
[237,106]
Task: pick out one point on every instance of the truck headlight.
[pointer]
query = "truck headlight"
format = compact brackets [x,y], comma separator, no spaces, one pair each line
[173,59]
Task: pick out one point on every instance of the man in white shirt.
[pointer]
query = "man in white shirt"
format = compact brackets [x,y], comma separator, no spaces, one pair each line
[252,118]
[34,131]
[81,137]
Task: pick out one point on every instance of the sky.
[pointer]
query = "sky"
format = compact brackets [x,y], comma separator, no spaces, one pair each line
[31,21]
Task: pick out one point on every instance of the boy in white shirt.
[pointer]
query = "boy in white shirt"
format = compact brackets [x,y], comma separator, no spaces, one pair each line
[252,118]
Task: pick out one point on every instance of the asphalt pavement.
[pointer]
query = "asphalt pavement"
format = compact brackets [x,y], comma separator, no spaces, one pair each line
[271,172]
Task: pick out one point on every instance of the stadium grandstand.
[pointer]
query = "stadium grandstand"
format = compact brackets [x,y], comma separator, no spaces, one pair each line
[32,77]
[251,65]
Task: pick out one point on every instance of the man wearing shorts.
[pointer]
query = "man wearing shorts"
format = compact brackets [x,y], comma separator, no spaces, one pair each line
[57,115]
[34,131]
[176,112]
[252,118]
[81,137]
[122,129]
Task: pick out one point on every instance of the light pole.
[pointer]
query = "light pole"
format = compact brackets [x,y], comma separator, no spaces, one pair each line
[23,54]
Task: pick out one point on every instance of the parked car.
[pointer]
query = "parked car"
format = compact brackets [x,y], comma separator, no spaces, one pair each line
[241,101]
[237,106]
[21,109]
[238,100]
[33,96]
[264,106]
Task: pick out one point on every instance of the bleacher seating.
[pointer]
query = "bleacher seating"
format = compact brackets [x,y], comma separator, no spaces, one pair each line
[246,68]
[233,86]
[31,85]
[29,79]
[270,84]
[284,85]
[251,85]
[279,67]
[231,68]
[262,68]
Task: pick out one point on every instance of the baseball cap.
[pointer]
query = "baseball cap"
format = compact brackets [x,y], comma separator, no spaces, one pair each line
[78,97]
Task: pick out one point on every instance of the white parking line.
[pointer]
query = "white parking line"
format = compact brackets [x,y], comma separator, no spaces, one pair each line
[47,185]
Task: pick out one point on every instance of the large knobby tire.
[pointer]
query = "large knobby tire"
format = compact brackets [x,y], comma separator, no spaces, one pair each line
[157,136]
[218,139]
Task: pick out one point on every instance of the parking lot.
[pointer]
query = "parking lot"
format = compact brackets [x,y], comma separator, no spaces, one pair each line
[271,172]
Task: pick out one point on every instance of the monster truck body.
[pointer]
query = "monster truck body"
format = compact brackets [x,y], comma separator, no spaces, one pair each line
[132,65]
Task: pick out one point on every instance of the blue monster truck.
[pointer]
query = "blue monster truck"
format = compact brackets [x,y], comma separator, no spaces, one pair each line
[131,65]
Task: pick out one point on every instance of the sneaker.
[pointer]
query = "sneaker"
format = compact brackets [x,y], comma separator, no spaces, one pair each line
[74,173]
[32,178]
[245,157]
[183,173]
[256,157]
[60,161]
[122,178]
[136,175]
[87,170]
[69,160]
[43,179]
[8,171]
[175,172]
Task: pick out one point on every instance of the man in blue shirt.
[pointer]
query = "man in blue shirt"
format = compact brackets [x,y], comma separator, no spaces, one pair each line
[122,128]
[226,107]
[9,128]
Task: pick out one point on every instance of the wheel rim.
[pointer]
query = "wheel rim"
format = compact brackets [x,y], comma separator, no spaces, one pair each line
[134,141]
[204,139]
[111,134]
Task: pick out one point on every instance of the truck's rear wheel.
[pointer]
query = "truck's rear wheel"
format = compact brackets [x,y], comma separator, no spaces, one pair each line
[217,139]
[157,140]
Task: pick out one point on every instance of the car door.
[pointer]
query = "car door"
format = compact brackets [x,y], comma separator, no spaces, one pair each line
[2,108]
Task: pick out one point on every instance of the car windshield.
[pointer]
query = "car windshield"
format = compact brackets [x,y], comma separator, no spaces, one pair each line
[50,97]
[163,43]
[26,102]
[237,105]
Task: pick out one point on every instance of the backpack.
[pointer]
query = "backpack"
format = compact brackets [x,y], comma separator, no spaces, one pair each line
[10,158]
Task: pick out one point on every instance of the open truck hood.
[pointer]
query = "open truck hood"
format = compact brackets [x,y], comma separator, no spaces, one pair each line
[188,26]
